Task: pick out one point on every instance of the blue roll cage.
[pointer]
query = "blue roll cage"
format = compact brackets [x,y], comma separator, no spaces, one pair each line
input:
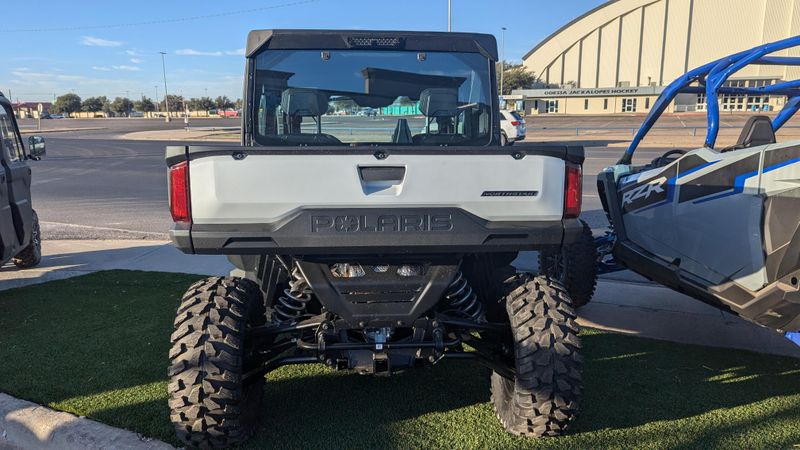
[710,79]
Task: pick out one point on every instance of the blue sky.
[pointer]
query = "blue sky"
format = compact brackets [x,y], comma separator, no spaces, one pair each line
[53,47]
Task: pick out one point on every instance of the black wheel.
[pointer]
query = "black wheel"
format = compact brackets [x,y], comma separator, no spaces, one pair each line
[503,139]
[542,399]
[212,406]
[31,255]
[574,266]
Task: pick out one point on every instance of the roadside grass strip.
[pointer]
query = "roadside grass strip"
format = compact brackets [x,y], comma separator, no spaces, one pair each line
[97,346]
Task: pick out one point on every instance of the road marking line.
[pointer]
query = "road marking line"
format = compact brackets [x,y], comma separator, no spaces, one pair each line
[90,227]
[45,181]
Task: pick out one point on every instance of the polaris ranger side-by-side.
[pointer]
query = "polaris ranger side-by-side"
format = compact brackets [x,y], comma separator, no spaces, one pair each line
[375,244]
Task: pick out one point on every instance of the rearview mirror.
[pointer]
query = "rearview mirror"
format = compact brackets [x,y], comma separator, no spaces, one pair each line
[36,147]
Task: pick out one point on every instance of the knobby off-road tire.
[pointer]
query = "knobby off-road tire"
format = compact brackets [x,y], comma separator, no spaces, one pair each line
[31,255]
[542,399]
[211,406]
[575,267]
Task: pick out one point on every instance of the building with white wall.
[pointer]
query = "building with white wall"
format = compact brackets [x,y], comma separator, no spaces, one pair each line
[618,57]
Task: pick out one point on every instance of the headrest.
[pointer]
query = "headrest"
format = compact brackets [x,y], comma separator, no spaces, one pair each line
[757,131]
[304,102]
[439,102]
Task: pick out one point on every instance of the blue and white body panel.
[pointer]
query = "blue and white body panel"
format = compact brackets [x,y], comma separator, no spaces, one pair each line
[724,227]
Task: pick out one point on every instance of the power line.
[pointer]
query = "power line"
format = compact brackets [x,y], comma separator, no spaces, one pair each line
[158,22]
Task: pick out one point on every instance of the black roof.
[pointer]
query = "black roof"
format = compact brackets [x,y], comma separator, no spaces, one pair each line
[485,44]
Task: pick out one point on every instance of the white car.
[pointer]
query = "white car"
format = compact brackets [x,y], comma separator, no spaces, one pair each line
[512,127]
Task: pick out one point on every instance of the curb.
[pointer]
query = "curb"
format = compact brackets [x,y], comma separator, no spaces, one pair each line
[61,130]
[26,425]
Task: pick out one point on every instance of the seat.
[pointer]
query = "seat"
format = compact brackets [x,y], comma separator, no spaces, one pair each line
[298,103]
[304,102]
[757,131]
[438,103]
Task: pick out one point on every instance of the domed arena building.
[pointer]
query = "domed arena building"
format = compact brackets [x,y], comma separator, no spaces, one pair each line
[618,57]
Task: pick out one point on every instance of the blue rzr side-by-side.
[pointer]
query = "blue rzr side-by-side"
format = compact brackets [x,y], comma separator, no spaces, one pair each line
[719,224]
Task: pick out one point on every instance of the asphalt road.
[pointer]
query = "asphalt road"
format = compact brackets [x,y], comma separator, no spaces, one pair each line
[88,188]
[113,128]
[93,185]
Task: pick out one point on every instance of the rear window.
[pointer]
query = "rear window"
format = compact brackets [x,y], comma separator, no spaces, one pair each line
[359,97]
[515,115]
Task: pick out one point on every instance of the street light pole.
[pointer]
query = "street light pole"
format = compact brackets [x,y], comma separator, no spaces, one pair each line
[166,94]
[449,15]
[502,60]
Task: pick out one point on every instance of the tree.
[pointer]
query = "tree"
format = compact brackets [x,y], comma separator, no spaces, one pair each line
[404,101]
[239,103]
[223,102]
[193,104]
[200,104]
[92,104]
[144,105]
[343,104]
[106,104]
[122,106]
[175,103]
[67,104]
[515,76]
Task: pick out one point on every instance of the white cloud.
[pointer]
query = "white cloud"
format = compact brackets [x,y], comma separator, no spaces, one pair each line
[98,42]
[192,52]
[101,68]
[127,68]
[36,76]
[137,60]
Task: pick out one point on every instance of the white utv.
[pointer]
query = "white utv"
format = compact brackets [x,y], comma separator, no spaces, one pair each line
[371,249]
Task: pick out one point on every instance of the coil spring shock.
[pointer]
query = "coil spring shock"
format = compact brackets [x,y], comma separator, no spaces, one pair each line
[292,304]
[462,299]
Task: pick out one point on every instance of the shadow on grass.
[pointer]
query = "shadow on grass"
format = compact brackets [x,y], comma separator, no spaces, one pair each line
[97,346]
[631,384]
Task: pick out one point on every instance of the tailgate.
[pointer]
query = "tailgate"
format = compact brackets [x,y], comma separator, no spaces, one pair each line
[259,195]
[265,188]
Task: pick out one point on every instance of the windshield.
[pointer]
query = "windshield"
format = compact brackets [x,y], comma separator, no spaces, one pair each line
[351,97]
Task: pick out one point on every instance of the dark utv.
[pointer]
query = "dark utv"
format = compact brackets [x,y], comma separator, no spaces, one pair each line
[20,239]
[374,244]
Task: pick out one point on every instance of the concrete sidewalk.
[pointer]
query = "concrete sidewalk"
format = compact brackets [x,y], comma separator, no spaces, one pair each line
[624,302]
[65,259]
[26,425]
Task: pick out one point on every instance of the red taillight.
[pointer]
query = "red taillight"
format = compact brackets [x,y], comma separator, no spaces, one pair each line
[179,203]
[573,191]
[515,123]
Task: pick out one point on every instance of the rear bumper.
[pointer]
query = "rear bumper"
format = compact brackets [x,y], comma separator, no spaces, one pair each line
[367,231]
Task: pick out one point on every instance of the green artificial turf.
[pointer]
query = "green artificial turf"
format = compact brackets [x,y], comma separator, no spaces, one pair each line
[97,346]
